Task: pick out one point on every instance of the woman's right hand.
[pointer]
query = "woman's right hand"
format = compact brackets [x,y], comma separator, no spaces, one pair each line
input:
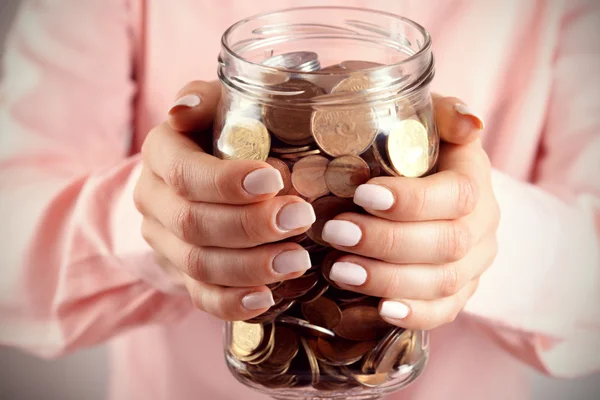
[211,220]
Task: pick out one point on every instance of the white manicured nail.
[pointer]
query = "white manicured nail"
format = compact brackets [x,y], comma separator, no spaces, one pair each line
[291,261]
[373,197]
[263,181]
[464,110]
[258,300]
[348,273]
[296,215]
[342,233]
[188,101]
[394,310]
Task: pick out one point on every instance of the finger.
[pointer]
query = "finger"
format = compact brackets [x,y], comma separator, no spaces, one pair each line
[429,242]
[205,224]
[443,196]
[228,303]
[195,107]
[197,176]
[411,281]
[423,314]
[228,267]
[456,123]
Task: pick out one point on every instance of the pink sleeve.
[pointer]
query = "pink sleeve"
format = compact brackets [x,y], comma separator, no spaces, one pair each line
[540,297]
[75,269]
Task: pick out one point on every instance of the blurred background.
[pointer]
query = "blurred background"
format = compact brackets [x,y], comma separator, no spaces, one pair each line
[84,375]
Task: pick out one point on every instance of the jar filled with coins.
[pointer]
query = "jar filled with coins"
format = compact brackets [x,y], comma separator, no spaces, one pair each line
[331,97]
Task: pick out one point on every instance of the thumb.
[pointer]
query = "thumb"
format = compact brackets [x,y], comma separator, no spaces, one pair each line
[456,123]
[195,106]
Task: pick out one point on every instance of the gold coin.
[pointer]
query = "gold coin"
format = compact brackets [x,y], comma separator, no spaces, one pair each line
[344,174]
[246,338]
[339,132]
[312,360]
[243,139]
[408,148]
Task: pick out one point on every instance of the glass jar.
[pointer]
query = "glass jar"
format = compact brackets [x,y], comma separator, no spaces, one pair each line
[331,97]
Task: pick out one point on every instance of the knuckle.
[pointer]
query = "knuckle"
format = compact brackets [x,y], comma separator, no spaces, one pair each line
[193,265]
[390,243]
[466,194]
[146,232]
[416,201]
[220,182]
[450,283]
[138,197]
[176,175]
[197,297]
[185,222]
[457,242]
[389,287]
[252,226]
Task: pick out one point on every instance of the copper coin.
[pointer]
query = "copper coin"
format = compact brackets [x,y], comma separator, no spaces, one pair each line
[322,312]
[302,154]
[344,352]
[326,265]
[286,346]
[312,360]
[316,292]
[390,355]
[368,365]
[326,208]
[332,372]
[308,176]
[291,125]
[344,174]
[373,164]
[357,65]
[297,287]
[290,150]
[379,150]
[361,322]
[328,82]
[344,131]
[305,326]
[273,312]
[286,175]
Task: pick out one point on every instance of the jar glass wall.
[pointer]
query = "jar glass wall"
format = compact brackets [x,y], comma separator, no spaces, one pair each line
[331,97]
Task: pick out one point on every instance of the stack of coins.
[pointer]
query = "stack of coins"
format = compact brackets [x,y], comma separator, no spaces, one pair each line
[317,333]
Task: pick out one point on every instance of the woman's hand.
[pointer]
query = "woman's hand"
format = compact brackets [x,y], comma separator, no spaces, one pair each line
[427,240]
[208,219]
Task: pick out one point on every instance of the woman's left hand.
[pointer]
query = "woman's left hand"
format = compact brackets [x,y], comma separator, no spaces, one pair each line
[426,241]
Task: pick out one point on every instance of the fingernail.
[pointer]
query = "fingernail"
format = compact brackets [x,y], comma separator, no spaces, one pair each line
[348,273]
[342,233]
[373,197]
[394,310]
[263,181]
[464,110]
[255,301]
[296,215]
[291,261]
[188,101]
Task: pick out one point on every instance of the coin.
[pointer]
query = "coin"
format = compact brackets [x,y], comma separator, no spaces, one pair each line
[300,60]
[292,125]
[373,164]
[326,265]
[357,65]
[308,176]
[297,287]
[285,347]
[306,327]
[322,312]
[379,150]
[328,82]
[243,139]
[312,360]
[344,352]
[326,208]
[344,174]
[273,312]
[301,154]
[264,348]
[344,131]
[355,83]
[368,365]
[361,322]
[313,294]
[390,355]
[245,338]
[408,148]
[289,150]
[286,175]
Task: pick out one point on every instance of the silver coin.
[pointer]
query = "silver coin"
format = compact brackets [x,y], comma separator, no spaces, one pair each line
[299,60]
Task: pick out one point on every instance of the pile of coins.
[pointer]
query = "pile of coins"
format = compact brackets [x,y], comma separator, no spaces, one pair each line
[318,334]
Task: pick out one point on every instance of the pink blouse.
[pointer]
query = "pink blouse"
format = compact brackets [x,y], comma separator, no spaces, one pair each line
[84,82]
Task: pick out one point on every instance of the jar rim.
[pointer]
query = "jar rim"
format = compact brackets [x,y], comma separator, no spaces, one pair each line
[424,49]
